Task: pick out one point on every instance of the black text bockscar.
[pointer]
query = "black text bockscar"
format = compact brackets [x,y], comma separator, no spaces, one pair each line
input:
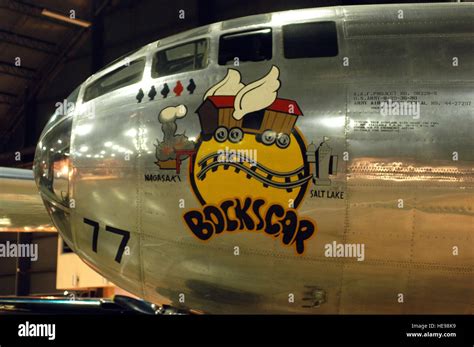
[251,215]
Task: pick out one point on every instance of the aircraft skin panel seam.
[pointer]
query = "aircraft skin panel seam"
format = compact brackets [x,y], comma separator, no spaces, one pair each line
[347,201]
[373,262]
[139,185]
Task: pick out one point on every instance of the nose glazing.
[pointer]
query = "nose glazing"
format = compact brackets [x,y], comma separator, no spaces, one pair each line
[52,170]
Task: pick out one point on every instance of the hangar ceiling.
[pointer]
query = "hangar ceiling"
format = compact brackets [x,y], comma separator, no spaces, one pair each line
[32,46]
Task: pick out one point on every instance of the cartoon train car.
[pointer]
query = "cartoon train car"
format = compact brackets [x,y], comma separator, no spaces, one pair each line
[271,125]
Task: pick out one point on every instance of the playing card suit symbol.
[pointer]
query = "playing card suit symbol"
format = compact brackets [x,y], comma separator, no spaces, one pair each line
[165,91]
[191,86]
[140,95]
[152,93]
[178,89]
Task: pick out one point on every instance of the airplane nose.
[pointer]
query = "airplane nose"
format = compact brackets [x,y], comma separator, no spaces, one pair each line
[52,172]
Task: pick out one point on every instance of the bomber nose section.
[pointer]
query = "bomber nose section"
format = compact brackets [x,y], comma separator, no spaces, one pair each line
[52,171]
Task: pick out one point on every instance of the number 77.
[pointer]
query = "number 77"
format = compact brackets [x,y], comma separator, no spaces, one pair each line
[95,237]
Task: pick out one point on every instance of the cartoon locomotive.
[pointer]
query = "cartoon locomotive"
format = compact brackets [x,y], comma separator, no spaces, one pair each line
[270,125]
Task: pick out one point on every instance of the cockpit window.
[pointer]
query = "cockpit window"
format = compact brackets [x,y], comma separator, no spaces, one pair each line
[127,74]
[310,40]
[255,45]
[187,57]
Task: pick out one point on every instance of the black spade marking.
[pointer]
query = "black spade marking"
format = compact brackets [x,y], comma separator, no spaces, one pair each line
[165,91]
[191,86]
[140,95]
[152,93]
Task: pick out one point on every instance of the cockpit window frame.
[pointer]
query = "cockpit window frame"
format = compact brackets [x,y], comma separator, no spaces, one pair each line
[206,60]
[247,32]
[106,73]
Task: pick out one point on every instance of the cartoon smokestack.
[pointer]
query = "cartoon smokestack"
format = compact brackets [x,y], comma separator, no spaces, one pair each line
[166,149]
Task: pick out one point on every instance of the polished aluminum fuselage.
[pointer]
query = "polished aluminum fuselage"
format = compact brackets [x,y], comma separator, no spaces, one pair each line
[407,183]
